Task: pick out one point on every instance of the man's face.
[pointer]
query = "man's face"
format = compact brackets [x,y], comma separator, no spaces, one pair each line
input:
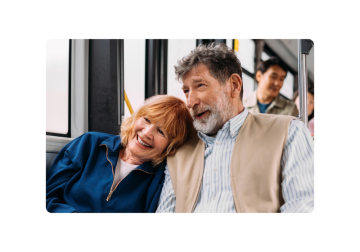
[271,81]
[207,100]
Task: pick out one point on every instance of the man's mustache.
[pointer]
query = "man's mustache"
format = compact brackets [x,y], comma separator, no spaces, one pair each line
[198,110]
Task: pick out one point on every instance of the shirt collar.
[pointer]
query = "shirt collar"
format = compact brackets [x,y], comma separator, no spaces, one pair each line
[232,127]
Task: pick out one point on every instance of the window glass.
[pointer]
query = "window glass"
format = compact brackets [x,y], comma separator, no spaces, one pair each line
[287,88]
[57,86]
[177,49]
[134,73]
[248,84]
[264,56]
[245,51]
[229,43]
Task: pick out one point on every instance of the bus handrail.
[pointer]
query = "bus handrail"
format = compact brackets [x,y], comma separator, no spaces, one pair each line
[304,47]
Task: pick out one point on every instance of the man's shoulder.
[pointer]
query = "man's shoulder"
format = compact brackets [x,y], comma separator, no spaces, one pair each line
[285,102]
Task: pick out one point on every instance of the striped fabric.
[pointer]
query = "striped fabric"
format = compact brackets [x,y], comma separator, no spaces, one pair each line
[215,196]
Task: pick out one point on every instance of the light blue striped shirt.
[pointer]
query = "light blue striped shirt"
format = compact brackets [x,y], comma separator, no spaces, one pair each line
[216,196]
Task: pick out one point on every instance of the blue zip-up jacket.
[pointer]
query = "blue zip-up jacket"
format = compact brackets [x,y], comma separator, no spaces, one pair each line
[81,176]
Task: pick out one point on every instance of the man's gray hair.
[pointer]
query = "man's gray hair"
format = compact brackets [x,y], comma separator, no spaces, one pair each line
[218,58]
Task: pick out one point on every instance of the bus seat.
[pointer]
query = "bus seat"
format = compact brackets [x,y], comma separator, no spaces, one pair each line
[50,157]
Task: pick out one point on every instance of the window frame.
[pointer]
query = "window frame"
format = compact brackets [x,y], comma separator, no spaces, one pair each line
[68,134]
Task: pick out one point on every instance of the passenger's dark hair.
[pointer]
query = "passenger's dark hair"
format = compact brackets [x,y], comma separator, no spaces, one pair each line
[218,58]
[273,61]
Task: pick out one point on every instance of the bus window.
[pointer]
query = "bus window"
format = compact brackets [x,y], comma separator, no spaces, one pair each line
[245,50]
[177,48]
[248,84]
[264,56]
[229,43]
[287,89]
[57,86]
[134,76]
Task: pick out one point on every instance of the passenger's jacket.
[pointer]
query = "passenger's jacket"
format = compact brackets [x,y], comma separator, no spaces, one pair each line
[279,106]
[81,176]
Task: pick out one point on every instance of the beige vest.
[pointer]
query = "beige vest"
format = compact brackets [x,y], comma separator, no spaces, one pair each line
[254,169]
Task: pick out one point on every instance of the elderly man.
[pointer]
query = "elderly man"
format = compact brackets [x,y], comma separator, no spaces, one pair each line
[238,161]
[270,76]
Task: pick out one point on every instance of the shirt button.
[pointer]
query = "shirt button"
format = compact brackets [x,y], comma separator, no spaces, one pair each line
[214,169]
[213,198]
[217,143]
[233,134]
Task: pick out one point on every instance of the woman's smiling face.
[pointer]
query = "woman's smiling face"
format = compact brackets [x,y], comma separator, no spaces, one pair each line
[149,140]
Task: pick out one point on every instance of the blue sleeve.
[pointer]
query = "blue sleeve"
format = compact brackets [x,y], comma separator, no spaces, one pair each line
[62,170]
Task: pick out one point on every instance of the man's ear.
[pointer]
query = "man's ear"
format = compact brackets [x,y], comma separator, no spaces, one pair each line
[236,85]
[258,76]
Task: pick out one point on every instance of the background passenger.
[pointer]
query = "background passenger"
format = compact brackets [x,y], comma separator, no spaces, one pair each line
[310,96]
[99,172]
[270,76]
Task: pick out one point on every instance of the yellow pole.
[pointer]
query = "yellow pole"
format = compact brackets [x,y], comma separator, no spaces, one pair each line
[236,45]
[128,103]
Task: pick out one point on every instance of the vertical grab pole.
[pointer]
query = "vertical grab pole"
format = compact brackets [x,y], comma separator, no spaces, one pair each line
[304,47]
[120,79]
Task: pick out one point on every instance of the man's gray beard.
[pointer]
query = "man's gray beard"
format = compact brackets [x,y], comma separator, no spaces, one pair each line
[220,113]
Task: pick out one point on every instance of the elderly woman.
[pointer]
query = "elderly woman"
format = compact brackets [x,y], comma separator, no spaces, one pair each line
[99,172]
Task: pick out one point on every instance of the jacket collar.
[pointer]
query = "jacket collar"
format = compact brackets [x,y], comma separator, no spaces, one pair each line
[277,102]
[114,145]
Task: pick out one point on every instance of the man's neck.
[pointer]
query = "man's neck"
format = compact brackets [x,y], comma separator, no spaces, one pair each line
[264,98]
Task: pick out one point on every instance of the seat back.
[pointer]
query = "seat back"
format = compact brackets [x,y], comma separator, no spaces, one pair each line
[50,157]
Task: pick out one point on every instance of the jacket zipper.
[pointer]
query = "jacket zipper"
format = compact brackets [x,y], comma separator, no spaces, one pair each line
[112,169]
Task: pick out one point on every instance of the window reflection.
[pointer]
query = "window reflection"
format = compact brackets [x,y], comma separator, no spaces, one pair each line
[57,86]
